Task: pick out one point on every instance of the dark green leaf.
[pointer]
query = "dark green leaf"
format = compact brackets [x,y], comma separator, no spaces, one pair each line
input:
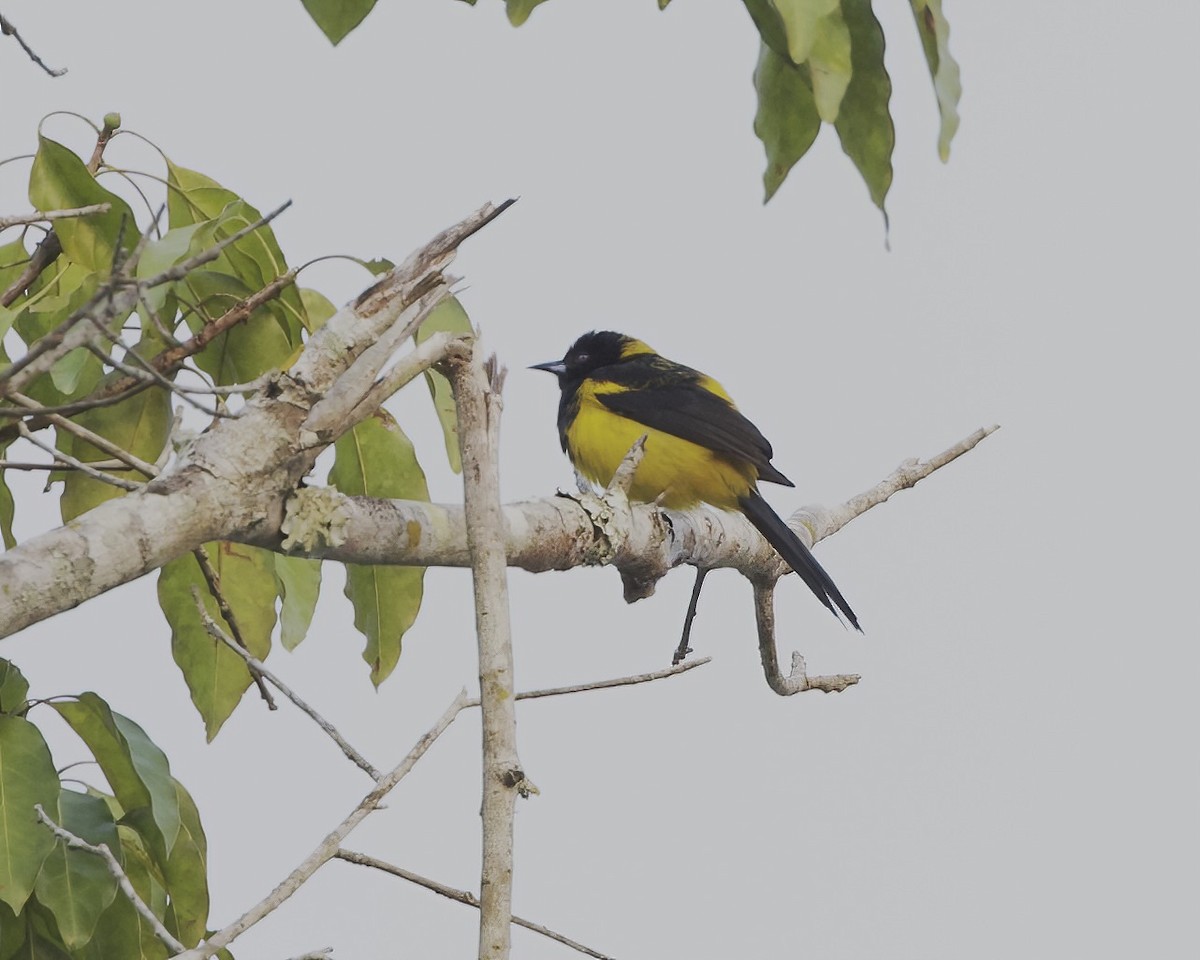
[216,676]
[787,120]
[13,687]
[769,24]
[299,582]
[60,180]
[139,425]
[12,932]
[135,768]
[935,39]
[121,931]
[337,18]
[27,777]
[75,885]
[864,123]
[187,875]
[448,316]
[376,459]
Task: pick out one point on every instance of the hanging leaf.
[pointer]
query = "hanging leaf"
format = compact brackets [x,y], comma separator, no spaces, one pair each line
[27,777]
[299,583]
[519,10]
[864,123]
[216,676]
[187,875]
[947,86]
[376,459]
[13,688]
[75,885]
[337,18]
[787,121]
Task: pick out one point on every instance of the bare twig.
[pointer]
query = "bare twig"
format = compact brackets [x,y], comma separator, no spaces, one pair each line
[60,464]
[256,666]
[460,896]
[9,30]
[88,436]
[102,851]
[798,680]
[478,402]
[605,684]
[181,269]
[328,847]
[77,464]
[41,216]
[213,580]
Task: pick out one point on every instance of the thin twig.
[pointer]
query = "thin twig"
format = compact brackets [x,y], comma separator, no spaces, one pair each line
[41,216]
[60,464]
[88,436]
[460,896]
[77,464]
[213,580]
[181,269]
[798,680]
[256,666]
[328,847]
[606,684]
[8,29]
[102,851]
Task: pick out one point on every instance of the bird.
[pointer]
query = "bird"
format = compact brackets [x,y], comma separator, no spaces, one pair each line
[699,447]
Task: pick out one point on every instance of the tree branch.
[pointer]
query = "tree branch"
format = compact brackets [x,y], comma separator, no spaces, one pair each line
[477,399]
[460,896]
[328,847]
[9,30]
[42,216]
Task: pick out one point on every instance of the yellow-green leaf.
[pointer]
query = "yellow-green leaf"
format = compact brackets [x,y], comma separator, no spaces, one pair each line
[802,24]
[60,180]
[337,18]
[139,425]
[787,121]
[947,86]
[27,777]
[216,676]
[829,64]
[519,10]
[450,317]
[299,582]
[376,459]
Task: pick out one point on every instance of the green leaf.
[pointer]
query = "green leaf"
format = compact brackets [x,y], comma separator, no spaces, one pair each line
[12,932]
[257,344]
[299,583]
[139,425]
[935,39]
[448,316]
[864,123]
[27,777]
[769,24]
[255,259]
[187,875]
[42,940]
[337,18]
[122,932]
[519,10]
[160,255]
[787,121]
[802,25]
[216,676]
[13,687]
[317,307]
[75,885]
[60,180]
[376,459]
[829,64]
[377,267]
[8,507]
[135,768]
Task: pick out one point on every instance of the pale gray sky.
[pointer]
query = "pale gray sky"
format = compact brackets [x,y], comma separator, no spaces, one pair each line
[1016,774]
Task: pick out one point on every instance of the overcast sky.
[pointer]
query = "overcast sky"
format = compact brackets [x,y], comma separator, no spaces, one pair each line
[1016,773]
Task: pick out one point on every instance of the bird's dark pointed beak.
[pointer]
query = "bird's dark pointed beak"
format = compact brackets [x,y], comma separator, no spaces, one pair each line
[556,367]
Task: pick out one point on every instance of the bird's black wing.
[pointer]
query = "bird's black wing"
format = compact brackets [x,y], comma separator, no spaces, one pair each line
[688,411]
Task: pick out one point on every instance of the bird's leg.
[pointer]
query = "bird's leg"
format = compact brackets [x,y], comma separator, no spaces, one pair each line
[683,649]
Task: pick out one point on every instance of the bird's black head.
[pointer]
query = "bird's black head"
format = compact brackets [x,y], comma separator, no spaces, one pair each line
[600,348]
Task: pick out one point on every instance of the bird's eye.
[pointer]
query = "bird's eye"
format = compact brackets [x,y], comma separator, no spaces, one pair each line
[581,359]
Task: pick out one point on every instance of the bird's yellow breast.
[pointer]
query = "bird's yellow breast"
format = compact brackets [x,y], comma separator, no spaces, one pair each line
[675,472]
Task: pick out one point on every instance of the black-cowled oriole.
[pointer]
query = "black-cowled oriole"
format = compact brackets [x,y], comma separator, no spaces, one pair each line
[699,447]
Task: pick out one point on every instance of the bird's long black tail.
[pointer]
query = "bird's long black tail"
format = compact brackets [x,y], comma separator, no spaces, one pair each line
[798,556]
